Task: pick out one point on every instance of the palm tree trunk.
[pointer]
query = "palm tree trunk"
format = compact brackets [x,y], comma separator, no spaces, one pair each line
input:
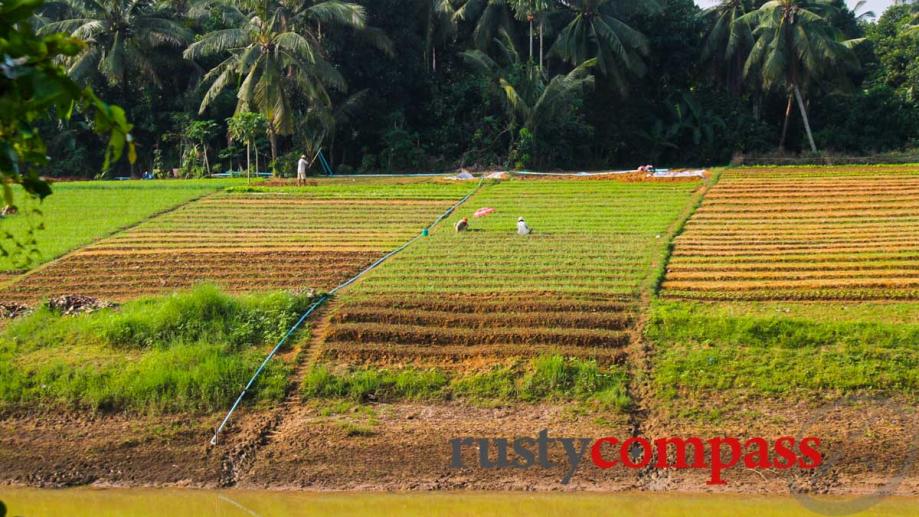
[540,44]
[248,159]
[273,139]
[785,125]
[207,165]
[807,124]
[510,146]
[531,41]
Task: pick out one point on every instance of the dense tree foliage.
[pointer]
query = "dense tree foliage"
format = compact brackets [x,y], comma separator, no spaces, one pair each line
[420,85]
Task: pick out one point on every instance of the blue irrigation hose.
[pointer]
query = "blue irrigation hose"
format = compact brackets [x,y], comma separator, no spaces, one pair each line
[262,366]
[322,299]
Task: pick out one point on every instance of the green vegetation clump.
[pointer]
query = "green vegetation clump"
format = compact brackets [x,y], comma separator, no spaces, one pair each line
[549,376]
[191,351]
[716,347]
[372,384]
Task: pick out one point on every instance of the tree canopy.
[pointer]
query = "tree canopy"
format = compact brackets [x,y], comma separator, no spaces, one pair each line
[420,85]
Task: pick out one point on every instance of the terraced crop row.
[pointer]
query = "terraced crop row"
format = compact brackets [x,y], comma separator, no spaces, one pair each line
[800,234]
[456,300]
[248,241]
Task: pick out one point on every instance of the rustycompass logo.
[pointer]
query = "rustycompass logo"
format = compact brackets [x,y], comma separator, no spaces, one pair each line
[717,455]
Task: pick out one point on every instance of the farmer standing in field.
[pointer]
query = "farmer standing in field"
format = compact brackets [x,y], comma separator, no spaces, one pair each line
[523,228]
[301,170]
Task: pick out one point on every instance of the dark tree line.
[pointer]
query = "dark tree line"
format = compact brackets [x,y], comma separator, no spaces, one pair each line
[421,85]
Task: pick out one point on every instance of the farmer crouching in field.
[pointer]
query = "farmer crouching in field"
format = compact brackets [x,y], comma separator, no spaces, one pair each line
[522,228]
[461,225]
[301,170]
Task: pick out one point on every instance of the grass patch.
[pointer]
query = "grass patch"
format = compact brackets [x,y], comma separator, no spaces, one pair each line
[357,429]
[711,347]
[186,352]
[545,377]
[372,384]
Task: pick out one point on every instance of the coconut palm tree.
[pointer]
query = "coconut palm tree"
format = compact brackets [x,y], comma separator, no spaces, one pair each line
[275,54]
[728,42]
[596,32]
[490,18]
[121,36]
[533,11]
[533,102]
[796,47]
[439,26]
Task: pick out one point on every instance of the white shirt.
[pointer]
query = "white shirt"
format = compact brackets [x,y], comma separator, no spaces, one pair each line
[301,166]
[522,228]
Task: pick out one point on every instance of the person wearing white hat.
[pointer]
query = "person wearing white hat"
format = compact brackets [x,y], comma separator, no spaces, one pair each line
[302,165]
[522,228]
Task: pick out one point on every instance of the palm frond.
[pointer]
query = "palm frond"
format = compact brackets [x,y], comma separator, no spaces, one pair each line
[336,12]
[160,31]
[296,45]
[217,42]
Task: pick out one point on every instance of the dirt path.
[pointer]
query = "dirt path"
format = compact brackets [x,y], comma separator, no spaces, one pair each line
[640,353]
[243,449]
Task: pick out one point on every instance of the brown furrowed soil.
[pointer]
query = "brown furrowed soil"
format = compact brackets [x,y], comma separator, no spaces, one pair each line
[802,234]
[241,242]
[458,331]
[125,276]
[451,331]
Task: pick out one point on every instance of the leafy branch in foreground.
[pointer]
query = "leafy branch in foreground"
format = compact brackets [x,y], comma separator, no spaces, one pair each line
[33,85]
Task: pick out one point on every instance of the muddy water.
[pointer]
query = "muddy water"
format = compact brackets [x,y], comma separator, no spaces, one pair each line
[231,503]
